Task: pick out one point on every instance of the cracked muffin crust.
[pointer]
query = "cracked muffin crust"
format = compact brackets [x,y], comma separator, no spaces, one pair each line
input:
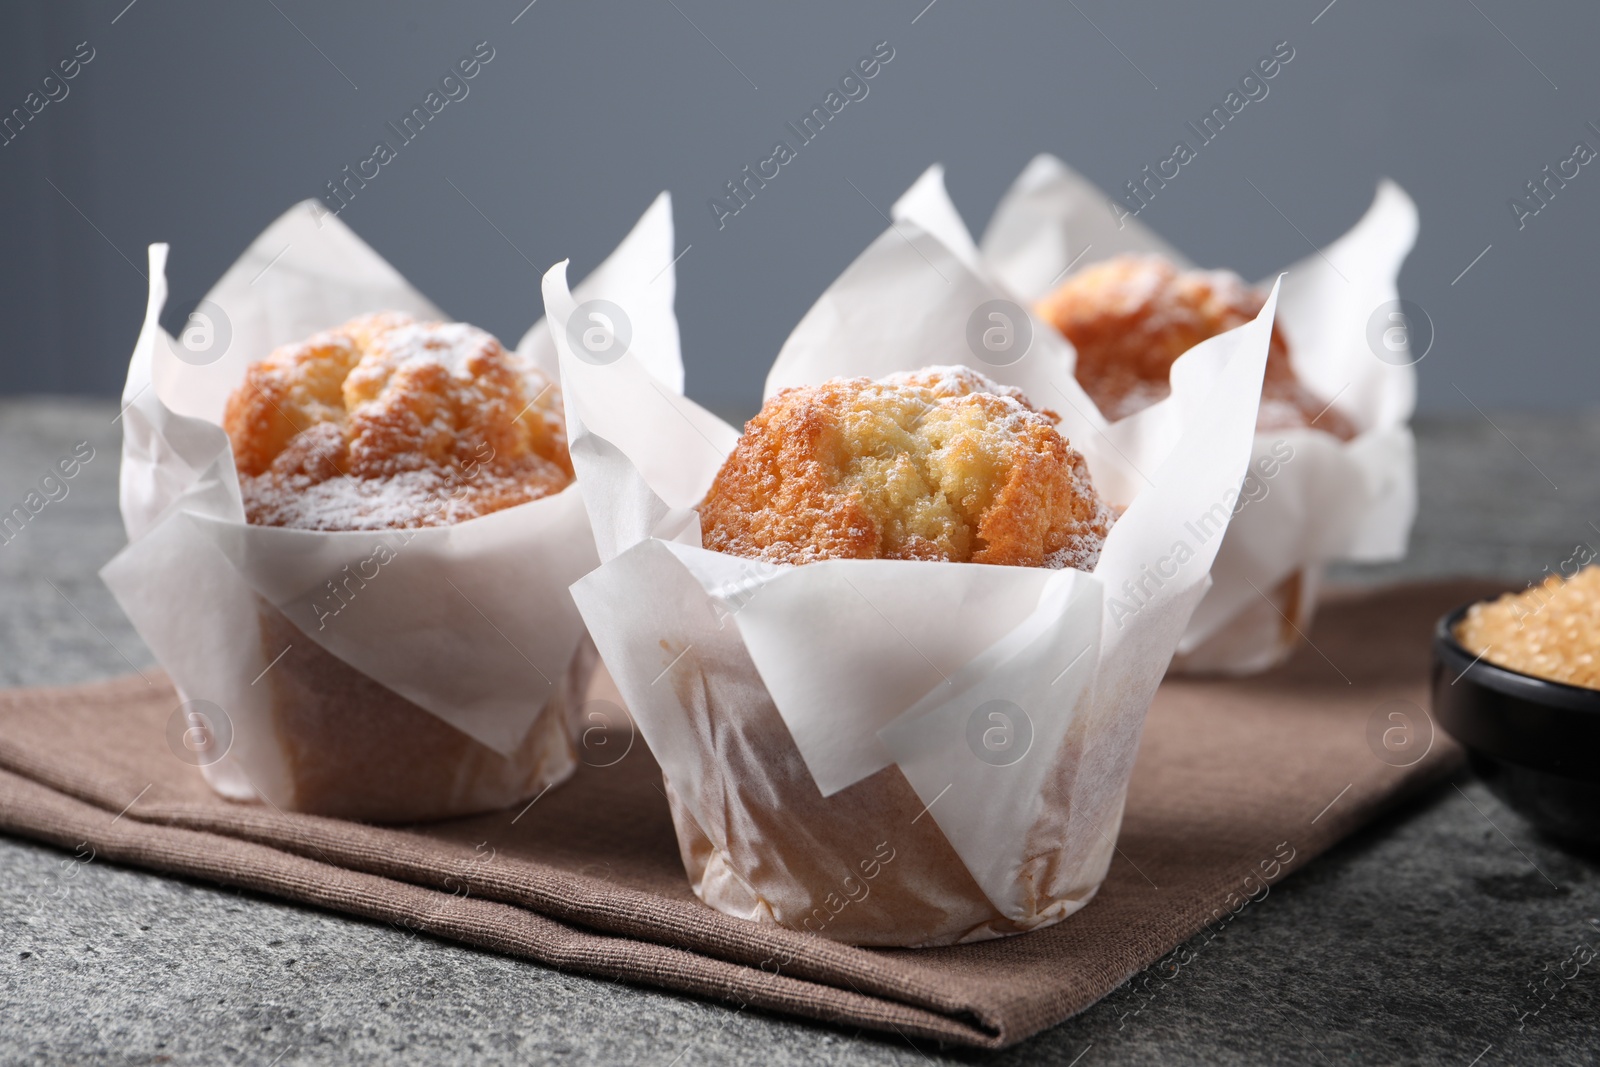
[938,464]
[386,422]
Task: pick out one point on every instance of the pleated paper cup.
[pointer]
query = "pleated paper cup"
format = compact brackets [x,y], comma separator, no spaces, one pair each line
[386,675]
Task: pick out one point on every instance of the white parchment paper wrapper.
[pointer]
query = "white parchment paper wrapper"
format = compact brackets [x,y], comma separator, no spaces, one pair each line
[1331,500]
[469,624]
[897,752]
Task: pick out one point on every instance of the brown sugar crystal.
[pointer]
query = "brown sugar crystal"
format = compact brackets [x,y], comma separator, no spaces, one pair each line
[1550,630]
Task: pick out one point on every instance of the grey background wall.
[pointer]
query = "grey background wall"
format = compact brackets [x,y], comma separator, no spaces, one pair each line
[198,123]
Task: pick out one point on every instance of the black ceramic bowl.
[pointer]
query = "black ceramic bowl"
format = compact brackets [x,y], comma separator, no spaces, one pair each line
[1535,743]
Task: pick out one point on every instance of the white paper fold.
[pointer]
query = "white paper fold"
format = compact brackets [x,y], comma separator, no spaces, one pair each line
[880,664]
[472,622]
[1334,500]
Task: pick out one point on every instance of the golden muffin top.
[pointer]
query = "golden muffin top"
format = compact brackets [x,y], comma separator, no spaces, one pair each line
[1130,317]
[939,464]
[387,422]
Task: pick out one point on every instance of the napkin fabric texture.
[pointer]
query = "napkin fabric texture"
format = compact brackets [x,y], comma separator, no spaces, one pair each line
[1232,777]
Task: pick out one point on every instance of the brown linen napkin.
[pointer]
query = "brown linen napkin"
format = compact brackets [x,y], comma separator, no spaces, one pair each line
[1238,783]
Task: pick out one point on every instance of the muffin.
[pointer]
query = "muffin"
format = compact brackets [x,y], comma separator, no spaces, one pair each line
[937,464]
[388,423]
[1130,317]
[865,737]
[1550,630]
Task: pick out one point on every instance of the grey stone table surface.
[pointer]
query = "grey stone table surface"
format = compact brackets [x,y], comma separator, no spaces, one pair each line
[1435,936]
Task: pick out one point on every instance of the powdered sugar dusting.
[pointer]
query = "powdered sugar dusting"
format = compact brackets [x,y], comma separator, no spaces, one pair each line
[1082,550]
[954,380]
[409,499]
[937,464]
[434,423]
